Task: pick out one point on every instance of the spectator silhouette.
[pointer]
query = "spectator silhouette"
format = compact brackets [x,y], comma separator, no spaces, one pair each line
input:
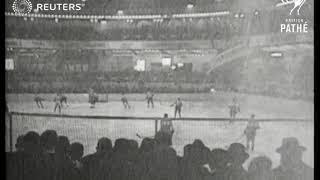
[163,164]
[19,144]
[27,164]
[92,162]
[120,160]
[183,164]
[48,142]
[62,158]
[76,167]
[291,165]
[146,147]
[193,165]
[218,162]
[260,168]
[238,156]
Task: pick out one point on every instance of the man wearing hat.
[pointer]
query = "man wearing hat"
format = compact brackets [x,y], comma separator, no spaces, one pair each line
[291,165]
[238,156]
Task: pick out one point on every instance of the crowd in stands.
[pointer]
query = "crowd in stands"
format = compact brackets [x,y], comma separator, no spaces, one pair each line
[50,156]
[224,27]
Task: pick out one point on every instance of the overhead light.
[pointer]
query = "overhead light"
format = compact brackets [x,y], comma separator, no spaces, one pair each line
[190,6]
[256,12]
[120,12]
[103,22]
[276,54]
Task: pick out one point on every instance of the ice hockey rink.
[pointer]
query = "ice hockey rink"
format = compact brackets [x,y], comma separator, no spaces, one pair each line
[215,134]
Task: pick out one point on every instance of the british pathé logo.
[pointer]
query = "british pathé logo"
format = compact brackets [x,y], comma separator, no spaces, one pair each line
[22,6]
[293,25]
[297,4]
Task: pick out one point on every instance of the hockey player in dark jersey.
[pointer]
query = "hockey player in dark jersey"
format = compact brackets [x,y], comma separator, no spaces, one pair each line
[251,131]
[234,109]
[177,107]
[125,102]
[166,127]
[93,98]
[64,100]
[38,101]
[149,98]
[57,101]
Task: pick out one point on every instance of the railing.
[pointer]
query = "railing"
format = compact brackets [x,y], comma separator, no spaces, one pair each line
[213,131]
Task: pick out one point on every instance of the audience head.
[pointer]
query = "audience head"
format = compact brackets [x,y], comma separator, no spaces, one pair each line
[19,143]
[260,168]
[121,145]
[49,140]
[147,145]
[219,158]
[133,149]
[76,151]
[63,145]
[186,150]
[238,154]
[198,143]
[31,142]
[290,151]
[104,145]
[260,163]
[165,115]
[133,145]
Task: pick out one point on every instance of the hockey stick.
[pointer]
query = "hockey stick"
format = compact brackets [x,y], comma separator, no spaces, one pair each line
[239,138]
[236,140]
[142,137]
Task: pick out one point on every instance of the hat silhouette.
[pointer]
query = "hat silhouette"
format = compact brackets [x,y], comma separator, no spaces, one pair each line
[290,144]
[238,151]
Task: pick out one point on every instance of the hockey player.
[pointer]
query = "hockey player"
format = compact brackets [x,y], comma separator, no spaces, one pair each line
[234,109]
[177,107]
[93,98]
[57,101]
[125,101]
[38,101]
[64,100]
[166,127]
[149,98]
[250,132]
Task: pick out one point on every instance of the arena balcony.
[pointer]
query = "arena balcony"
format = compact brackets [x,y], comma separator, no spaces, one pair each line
[188,26]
